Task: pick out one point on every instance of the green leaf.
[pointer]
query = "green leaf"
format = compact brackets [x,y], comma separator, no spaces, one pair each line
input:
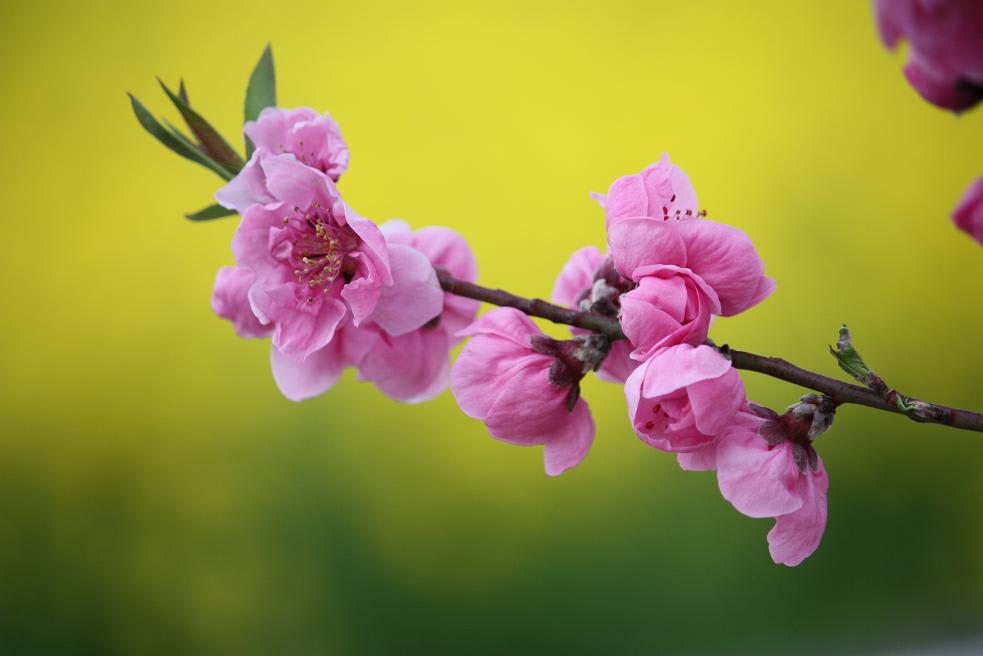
[850,361]
[261,92]
[848,358]
[178,144]
[211,212]
[182,92]
[211,142]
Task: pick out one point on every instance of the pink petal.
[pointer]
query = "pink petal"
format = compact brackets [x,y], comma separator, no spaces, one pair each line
[482,363]
[271,129]
[726,259]
[299,330]
[505,322]
[411,368]
[681,366]
[526,408]
[757,478]
[797,535]
[715,402]
[626,199]
[703,458]
[251,241]
[397,232]
[447,250]
[300,380]
[888,27]
[415,296]
[576,276]
[571,441]
[292,182]
[968,215]
[658,191]
[247,188]
[230,300]
[618,365]
[940,89]
[640,242]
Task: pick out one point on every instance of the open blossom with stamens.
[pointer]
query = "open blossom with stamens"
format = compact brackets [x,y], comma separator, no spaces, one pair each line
[945,59]
[767,467]
[312,138]
[714,256]
[589,282]
[315,263]
[681,401]
[415,366]
[525,387]
[968,215]
[685,269]
[662,191]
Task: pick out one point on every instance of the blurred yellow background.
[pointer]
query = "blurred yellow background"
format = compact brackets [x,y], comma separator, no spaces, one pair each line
[159,496]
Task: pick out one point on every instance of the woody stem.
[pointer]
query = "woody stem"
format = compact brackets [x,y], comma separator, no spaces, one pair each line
[839,391]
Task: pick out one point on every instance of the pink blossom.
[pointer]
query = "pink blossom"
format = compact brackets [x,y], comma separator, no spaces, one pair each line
[671,305]
[716,257]
[661,191]
[525,387]
[682,399]
[968,215]
[589,282]
[945,60]
[415,366]
[313,139]
[767,467]
[316,263]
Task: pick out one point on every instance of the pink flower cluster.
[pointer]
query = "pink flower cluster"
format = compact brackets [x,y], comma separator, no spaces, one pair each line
[331,288]
[669,271]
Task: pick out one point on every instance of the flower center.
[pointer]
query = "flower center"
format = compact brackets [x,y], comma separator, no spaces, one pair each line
[662,419]
[319,248]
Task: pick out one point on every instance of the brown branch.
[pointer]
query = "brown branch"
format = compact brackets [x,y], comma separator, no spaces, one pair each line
[534,307]
[839,391]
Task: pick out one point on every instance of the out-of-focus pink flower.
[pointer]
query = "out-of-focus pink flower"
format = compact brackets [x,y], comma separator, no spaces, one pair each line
[722,256]
[662,191]
[945,61]
[682,400]
[313,139]
[968,215]
[525,387]
[767,467]
[415,366]
[316,262]
[588,282]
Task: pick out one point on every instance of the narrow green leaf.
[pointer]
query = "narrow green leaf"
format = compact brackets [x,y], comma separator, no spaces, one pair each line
[211,212]
[182,92]
[212,143]
[261,92]
[184,148]
[183,138]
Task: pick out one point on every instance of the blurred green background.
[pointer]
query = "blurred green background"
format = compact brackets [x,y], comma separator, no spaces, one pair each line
[159,496]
